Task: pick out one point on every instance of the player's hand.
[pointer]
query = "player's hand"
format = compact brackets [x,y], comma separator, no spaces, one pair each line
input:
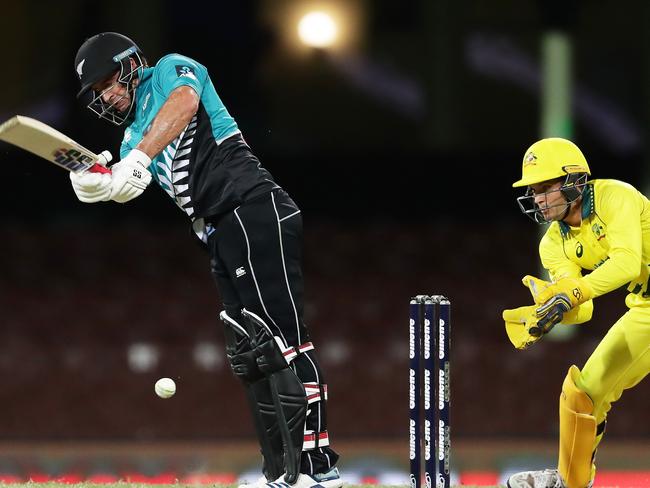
[130,176]
[91,187]
[535,285]
[523,326]
[561,295]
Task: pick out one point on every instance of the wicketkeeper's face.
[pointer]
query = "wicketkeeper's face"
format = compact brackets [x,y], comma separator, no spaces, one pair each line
[549,200]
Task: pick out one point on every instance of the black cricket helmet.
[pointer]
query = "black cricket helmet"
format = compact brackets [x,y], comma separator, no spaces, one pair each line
[98,58]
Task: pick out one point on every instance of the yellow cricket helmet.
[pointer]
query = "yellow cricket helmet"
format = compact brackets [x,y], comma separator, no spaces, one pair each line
[551,158]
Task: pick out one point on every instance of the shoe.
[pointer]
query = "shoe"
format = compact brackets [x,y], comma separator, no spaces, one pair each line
[546,478]
[331,479]
[260,483]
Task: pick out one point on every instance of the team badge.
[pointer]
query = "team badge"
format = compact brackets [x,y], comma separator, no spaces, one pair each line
[598,229]
[530,158]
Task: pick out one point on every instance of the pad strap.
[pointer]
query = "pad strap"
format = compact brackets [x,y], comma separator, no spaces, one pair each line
[316,392]
[290,353]
[315,440]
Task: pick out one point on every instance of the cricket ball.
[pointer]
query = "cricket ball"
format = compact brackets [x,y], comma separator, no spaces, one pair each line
[165,387]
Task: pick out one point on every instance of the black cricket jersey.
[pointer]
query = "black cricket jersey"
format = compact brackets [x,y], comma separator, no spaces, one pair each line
[208,169]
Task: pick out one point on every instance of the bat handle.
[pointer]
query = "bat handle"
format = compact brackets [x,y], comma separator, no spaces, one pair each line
[98,168]
[103,159]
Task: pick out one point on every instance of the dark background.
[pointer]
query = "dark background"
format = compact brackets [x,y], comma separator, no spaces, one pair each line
[400,151]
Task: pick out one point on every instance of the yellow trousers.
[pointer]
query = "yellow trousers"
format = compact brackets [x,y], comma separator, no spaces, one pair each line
[621,360]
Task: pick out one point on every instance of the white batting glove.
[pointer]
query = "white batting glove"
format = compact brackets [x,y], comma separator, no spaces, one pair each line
[130,176]
[91,187]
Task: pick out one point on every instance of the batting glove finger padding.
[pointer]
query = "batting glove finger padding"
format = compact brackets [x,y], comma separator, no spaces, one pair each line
[91,187]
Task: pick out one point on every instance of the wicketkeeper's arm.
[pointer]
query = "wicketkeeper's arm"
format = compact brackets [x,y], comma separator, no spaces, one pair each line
[567,291]
[620,206]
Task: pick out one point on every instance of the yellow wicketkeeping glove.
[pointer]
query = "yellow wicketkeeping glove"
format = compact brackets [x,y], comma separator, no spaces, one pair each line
[535,285]
[523,326]
[559,296]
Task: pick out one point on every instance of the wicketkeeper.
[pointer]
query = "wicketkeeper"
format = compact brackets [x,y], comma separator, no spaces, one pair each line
[179,133]
[599,226]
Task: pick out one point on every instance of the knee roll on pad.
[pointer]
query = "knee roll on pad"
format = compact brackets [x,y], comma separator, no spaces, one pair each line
[239,349]
[243,362]
[577,433]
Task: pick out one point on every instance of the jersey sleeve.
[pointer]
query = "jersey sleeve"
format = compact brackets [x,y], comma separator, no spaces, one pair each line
[125,147]
[558,265]
[619,206]
[175,70]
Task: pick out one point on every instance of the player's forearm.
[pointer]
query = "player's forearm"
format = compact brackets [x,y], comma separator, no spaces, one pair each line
[170,121]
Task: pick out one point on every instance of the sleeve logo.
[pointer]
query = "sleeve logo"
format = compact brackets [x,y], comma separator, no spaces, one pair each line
[185,71]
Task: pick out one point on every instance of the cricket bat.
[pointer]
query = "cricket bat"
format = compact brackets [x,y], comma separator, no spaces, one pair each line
[48,143]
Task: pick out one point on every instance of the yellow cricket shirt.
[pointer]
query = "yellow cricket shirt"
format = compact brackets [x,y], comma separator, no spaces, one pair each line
[613,242]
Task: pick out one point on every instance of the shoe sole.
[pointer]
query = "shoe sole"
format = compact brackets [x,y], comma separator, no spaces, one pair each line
[335,483]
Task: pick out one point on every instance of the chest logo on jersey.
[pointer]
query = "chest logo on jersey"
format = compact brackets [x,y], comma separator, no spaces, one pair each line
[598,231]
[185,71]
[239,272]
[579,249]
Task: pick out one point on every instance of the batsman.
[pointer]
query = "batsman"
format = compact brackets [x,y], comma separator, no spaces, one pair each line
[179,133]
[598,240]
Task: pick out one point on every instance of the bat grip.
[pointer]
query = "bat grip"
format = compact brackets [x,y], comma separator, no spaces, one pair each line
[98,168]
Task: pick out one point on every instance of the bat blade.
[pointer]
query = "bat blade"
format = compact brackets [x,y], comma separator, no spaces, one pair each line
[48,143]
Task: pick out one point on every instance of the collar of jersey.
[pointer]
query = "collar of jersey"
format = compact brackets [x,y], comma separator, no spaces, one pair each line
[146,74]
[145,78]
[587,208]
